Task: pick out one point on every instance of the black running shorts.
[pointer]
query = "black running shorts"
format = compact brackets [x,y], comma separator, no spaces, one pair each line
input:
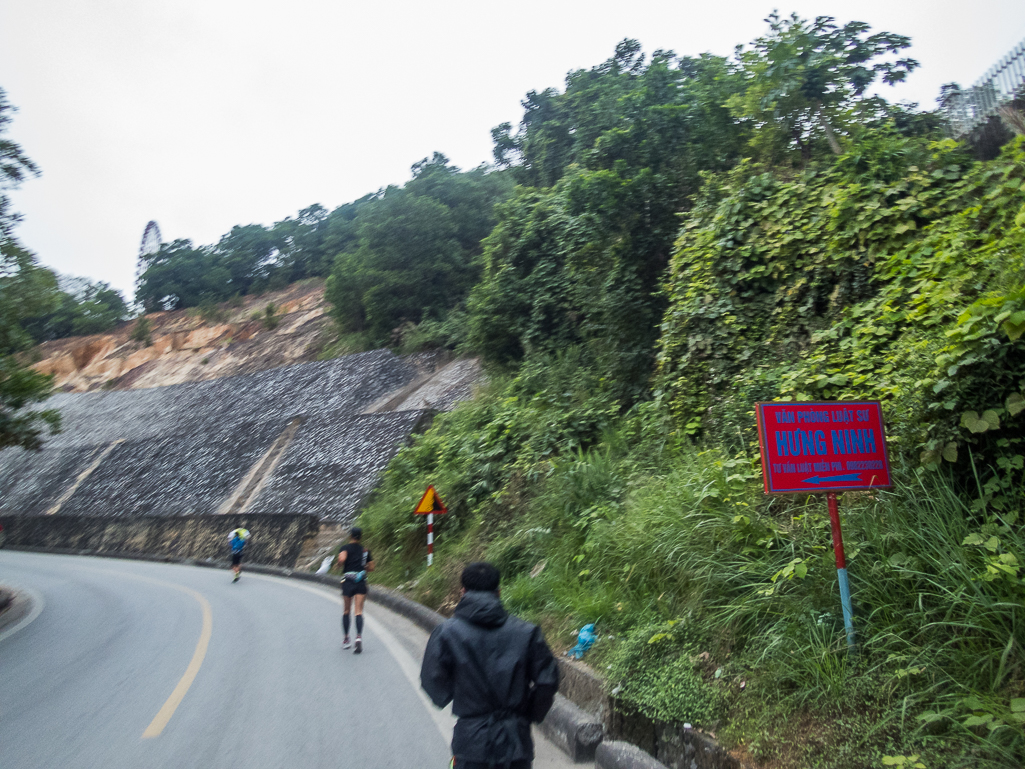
[236,559]
[350,588]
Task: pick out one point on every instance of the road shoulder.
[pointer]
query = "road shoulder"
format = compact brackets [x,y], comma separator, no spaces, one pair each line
[16,609]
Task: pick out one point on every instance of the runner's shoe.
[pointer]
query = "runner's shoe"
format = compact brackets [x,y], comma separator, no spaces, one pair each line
[237,575]
[359,645]
[346,643]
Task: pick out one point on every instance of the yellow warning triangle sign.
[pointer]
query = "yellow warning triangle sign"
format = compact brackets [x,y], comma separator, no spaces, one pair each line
[431,503]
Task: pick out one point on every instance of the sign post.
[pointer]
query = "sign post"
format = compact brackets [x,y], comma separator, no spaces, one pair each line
[430,504]
[810,448]
[841,569]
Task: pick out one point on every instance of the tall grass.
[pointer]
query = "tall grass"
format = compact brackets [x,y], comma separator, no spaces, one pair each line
[939,662]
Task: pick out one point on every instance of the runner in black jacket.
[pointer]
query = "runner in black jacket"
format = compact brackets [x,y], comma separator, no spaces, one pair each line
[496,670]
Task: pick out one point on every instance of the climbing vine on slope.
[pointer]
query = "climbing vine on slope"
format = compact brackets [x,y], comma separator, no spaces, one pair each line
[858,282]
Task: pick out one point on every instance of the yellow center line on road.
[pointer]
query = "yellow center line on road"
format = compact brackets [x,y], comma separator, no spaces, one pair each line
[164,714]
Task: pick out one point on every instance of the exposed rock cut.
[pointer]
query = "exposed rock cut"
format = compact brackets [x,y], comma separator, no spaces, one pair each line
[186,348]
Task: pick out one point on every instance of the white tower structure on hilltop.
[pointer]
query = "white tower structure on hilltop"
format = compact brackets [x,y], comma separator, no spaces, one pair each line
[150,245]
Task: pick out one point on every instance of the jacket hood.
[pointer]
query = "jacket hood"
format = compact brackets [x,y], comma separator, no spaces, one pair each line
[482,608]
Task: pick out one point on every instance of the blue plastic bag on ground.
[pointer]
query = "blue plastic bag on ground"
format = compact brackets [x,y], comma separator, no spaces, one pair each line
[585,640]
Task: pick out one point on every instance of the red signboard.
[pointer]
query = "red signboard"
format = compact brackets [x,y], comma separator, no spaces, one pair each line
[813,447]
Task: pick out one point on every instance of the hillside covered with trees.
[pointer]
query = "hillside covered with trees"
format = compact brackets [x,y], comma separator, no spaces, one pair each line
[400,256]
[690,236]
[660,244]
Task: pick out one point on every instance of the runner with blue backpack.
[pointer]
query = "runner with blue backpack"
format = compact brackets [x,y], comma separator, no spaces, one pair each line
[356,560]
[237,538]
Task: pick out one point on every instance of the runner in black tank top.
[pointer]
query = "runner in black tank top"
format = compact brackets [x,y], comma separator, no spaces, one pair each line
[355,561]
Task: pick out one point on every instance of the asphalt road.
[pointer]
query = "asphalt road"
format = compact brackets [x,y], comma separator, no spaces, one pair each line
[136,664]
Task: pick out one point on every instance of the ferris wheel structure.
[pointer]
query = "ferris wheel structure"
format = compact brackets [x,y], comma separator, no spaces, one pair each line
[149,246]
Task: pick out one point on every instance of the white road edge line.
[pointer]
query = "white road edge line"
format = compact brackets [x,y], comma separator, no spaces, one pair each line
[443,719]
[37,608]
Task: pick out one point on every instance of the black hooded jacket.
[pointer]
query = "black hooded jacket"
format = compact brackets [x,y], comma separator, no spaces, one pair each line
[499,675]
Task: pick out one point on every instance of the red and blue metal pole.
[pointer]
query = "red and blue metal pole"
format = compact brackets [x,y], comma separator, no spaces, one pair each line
[841,569]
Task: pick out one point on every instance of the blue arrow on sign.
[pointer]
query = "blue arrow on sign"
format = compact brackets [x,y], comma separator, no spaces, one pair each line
[817,480]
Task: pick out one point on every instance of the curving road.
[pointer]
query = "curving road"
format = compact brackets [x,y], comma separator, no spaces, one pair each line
[135,664]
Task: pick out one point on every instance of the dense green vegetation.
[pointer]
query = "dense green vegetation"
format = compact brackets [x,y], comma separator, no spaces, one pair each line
[689,236]
[893,274]
[605,168]
[74,307]
[409,256]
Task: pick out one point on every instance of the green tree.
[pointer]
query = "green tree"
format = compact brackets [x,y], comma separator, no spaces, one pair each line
[25,289]
[180,275]
[100,309]
[249,255]
[78,308]
[612,162]
[408,261]
[141,331]
[806,82]
[20,388]
[409,254]
[301,242]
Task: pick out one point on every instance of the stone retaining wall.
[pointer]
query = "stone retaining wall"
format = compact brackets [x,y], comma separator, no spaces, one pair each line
[277,539]
[670,742]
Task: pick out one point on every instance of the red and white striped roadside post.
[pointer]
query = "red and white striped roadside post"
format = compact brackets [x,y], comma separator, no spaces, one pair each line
[430,538]
[430,504]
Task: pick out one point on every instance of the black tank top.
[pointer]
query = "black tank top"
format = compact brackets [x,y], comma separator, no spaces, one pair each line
[356,557]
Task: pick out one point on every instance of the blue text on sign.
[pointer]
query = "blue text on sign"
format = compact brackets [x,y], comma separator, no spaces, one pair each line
[804,443]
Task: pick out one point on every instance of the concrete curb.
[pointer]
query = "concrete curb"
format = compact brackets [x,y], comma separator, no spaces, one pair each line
[622,755]
[418,614]
[19,607]
[575,731]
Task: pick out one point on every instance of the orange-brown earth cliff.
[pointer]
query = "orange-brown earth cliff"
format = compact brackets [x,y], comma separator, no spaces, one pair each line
[186,347]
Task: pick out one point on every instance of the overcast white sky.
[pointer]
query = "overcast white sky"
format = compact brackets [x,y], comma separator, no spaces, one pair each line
[203,114]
